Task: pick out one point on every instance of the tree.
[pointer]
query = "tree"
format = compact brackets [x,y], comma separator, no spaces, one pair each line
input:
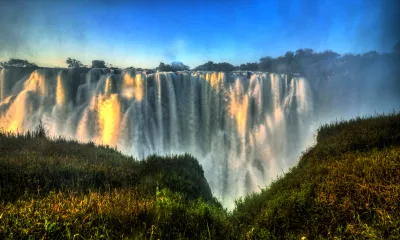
[132,69]
[164,67]
[98,64]
[208,66]
[329,54]
[371,54]
[179,66]
[173,67]
[249,66]
[73,63]
[211,66]
[225,67]
[281,65]
[306,52]
[265,64]
[289,56]
[14,62]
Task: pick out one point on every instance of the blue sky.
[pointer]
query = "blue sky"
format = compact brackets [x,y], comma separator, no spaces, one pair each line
[143,33]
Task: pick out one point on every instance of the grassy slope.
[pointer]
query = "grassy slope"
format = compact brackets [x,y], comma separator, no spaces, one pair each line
[347,186]
[61,189]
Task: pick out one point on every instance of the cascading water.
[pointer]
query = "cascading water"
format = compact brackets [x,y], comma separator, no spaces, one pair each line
[244,131]
[2,76]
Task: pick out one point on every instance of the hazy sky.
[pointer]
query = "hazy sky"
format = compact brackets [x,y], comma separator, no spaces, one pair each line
[143,33]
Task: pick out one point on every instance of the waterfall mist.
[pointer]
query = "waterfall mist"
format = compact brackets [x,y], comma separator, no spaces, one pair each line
[244,130]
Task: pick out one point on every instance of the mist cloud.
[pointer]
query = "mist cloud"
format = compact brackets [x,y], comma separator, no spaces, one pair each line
[28,28]
[14,20]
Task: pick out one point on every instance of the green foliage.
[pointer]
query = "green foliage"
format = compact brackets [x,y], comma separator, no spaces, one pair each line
[211,66]
[249,67]
[73,63]
[57,189]
[132,69]
[266,64]
[14,62]
[347,186]
[179,173]
[173,67]
[303,61]
[359,134]
[98,64]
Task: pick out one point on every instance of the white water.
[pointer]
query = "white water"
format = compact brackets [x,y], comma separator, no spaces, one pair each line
[244,132]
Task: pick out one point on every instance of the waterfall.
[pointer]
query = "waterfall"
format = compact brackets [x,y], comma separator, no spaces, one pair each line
[244,131]
[2,76]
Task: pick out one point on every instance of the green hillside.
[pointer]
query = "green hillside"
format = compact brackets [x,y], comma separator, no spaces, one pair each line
[58,189]
[346,187]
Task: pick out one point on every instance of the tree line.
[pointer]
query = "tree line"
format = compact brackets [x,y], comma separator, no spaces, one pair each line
[299,61]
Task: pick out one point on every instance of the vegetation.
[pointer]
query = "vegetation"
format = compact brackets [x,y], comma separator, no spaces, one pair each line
[14,62]
[346,187]
[98,64]
[307,62]
[56,189]
[175,66]
[131,68]
[304,61]
[211,66]
[73,63]
[249,67]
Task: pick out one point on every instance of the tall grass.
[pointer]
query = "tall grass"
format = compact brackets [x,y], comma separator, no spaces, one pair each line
[346,187]
[62,189]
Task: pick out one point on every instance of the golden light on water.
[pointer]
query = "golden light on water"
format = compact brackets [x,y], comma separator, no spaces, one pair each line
[14,119]
[139,88]
[133,87]
[215,79]
[238,107]
[60,91]
[128,80]
[109,118]
[127,87]
[36,83]
[108,86]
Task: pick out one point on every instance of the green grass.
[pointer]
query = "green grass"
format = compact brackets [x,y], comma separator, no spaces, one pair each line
[346,187]
[59,189]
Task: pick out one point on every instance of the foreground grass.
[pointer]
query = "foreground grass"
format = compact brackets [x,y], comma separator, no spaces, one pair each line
[58,189]
[345,187]
[119,214]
